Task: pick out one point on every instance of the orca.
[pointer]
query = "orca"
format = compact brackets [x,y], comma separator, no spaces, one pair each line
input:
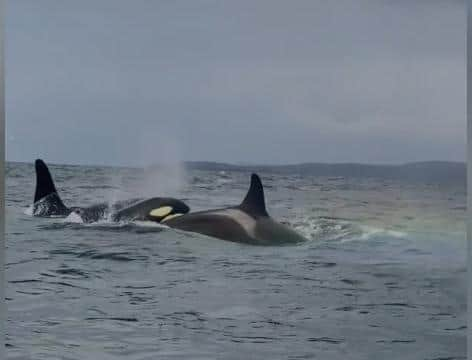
[247,223]
[47,203]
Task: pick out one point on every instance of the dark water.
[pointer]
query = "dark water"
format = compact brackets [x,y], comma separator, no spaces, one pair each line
[381,277]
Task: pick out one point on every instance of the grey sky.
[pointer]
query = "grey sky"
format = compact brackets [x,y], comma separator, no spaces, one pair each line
[137,82]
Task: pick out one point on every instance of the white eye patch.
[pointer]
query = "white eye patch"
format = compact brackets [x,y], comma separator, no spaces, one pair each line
[161,212]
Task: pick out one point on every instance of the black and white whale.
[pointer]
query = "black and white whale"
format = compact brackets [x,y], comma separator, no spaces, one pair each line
[47,203]
[247,223]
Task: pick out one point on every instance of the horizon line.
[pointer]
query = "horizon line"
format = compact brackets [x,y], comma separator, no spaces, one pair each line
[241,164]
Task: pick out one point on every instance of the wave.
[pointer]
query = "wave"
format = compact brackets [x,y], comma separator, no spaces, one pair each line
[74,218]
[73,223]
[337,229]
[29,210]
[321,228]
[371,231]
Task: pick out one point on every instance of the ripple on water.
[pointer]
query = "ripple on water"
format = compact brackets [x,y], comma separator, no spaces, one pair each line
[123,256]
[141,291]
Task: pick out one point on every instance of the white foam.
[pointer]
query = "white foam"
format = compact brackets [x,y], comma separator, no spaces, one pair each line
[29,210]
[340,229]
[74,218]
[369,231]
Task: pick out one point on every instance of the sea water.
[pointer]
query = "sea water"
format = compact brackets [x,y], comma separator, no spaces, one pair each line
[382,275]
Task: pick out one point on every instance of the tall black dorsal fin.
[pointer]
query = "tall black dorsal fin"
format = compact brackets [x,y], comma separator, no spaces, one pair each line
[254,203]
[44,182]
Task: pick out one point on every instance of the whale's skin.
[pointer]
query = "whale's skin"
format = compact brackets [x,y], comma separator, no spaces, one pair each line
[47,203]
[247,223]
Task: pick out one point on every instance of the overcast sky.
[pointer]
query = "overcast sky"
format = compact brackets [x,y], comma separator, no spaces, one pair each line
[140,82]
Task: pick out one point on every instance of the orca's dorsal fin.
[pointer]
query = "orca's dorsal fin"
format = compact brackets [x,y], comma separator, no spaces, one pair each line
[44,182]
[254,203]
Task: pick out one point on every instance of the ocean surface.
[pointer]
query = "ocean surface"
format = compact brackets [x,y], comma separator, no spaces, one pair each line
[382,275]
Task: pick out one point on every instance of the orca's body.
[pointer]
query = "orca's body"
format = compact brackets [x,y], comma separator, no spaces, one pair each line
[47,203]
[247,223]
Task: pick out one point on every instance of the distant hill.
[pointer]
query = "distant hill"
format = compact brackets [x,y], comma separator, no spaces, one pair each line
[427,171]
[444,172]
